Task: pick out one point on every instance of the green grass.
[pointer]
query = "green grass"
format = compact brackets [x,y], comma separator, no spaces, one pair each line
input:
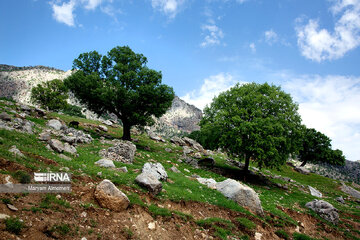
[246,223]
[158,211]
[299,236]
[50,201]
[282,234]
[14,225]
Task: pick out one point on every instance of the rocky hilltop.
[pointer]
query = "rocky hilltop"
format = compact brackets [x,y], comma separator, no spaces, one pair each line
[16,83]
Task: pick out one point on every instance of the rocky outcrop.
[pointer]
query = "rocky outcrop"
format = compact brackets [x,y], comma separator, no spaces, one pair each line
[109,196]
[107,163]
[155,169]
[55,124]
[325,210]
[315,192]
[150,182]
[122,151]
[349,190]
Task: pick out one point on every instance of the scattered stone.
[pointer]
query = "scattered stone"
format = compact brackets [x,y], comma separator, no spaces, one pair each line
[156,169]
[65,157]
[109,196]
[70,149]
[258,236]
[122,151]
[150,182]
[155,137]
[56,145]
[103,128]
[99,174]
[315,192]
[302,170]
[107,122]
[4,116]
[23,115]
[66,169]
[83,214]
[151,226]
[207,162]
[12,207]
[44,136]
[241,194]
[122,169]
[25,108]
[209,182]
[16,151]
[168,150]
[72,135]
[186,170]
[55,124]
[340,200]
[178,141]
[174,169]
[197,155]
[40,112]
[107,163]
[3,216]
[325,210]
[187,150]
[191,161]
[349,190]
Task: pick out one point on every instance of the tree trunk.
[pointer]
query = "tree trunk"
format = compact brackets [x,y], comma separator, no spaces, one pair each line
[126,131]
[247,163]
[303,163]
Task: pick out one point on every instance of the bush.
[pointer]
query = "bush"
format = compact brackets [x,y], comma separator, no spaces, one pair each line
[50,95]
[73,110]
[14,225]
[22,177]
[282,234]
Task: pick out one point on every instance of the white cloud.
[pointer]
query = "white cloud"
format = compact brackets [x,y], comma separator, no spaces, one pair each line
[330,105]
[64,13]
[213,35]
[210,88]
[91,4]
[320,44]
[252,47]
[271,36]
[168,7]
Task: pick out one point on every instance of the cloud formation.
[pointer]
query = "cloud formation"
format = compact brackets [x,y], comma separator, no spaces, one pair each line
[168,7]
[252,46]
[271,36]
[64,13]
[91,4]
[320,44]
[213,35]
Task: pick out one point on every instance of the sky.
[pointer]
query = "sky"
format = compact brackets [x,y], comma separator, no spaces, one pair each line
[203,47]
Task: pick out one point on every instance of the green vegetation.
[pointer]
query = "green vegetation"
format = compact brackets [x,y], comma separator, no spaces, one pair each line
[282,234]
[73,110]
[51,95]
[299,236]
[51,202]
[246,223]
[14,225]
[222,227]
[120,83]
[22,177]
[258,122]
[62,229]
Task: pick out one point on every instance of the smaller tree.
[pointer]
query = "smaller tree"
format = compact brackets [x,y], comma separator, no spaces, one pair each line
[316,147]
[51,95]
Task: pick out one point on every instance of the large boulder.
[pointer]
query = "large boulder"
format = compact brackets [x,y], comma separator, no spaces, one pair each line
[193,144]
[149,181]
[241,194]
[209,182]
[109,196]
[70,149]
[107,163]
[72,135]
[55,124]
[178,141]
[122,151]
[155,169]
[56,145]
[349,190]
[302,170]
[208,162]
[325,210]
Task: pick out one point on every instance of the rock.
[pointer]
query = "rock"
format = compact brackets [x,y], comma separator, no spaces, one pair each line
[155,137]
[25,108]
[209,182]
[207,162]
[4,116]
[123,151]
[258,236]
[44,136]
[109,196]
[107,163]
[107,122]
[23,115]
[349,190]
[12,207]
[55,124]
[70,149]
[16,151]
[187,150]
[103,128]
[315,192]
[302,170]
[155,169]
[241,194]
[340,200]
[151,226]
[40,112]
[178,141]
[83,214]
[56,145]
[69,139]
[168,150]
[122,169]
[150,182]
[191,161]
[174,169]
[193,144]
[3,216]
[65,157]
[325,210]
[197,155]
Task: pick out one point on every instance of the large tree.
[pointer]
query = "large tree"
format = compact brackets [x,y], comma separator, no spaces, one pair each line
[316,147]
[51,95]
[258,122]
[120,83]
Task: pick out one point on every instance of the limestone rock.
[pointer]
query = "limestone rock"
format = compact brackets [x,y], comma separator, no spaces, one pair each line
[209,182]
[3,216]
[103,128]
[105,163]
[70,149]
[174,169]
[155,169]
[178,141]
[325,210]
[16,151]
[197,155]
[122,151]
[122,169]
[241,194]
[302,170]
[187,150]
[349,190]
[315,192]
[4,116]
[44,136]
[55,124]
[153,136]
[193,144]
[107,122]
[109,196]
[56,145]
[65,157]
[150,182]
[340,200]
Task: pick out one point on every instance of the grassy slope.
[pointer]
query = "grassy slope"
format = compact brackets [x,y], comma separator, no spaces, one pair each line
[183,187]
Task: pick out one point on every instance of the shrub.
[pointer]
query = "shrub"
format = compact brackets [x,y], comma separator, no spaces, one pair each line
[73,110]
[22,177]
[14,225]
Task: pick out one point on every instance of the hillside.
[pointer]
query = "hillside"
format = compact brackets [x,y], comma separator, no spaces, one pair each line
[17,82]
[187,199]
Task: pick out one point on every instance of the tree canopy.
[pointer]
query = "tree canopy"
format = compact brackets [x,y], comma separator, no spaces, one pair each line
[316,147]
[258,122]
[120,83]
[51,95]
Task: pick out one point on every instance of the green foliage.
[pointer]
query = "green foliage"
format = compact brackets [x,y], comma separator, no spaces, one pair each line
[62,229]
[257,121]
[282,234]
[208,136]
[158,211]
[246,223]
[51,202]
[14,225]
[51,95]
[299,236]
[22,177]
[209,222]
[120,83]
[6,200]
[317,148]
[73,110]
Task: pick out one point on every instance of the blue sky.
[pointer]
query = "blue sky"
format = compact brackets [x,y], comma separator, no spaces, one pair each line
[310,48]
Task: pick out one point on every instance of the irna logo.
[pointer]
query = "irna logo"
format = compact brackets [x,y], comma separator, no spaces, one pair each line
[52,177]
